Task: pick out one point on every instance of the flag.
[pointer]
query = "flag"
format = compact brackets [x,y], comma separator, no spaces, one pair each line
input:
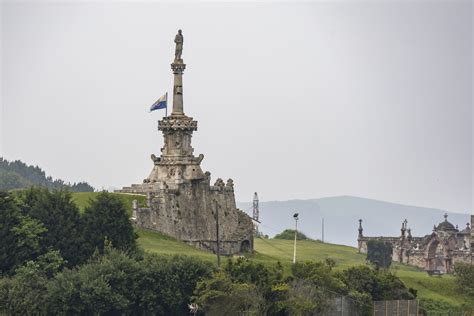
[161,103]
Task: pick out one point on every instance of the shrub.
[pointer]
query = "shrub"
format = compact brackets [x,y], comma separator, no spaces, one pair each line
[289,234]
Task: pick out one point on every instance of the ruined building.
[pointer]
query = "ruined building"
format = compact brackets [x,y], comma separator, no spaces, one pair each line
[181,201]
[439,250]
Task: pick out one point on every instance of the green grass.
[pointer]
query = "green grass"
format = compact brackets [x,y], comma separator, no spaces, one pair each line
[269,251]
[82,199]
[161,244]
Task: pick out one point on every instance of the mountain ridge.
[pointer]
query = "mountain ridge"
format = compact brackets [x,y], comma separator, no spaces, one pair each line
[341,215]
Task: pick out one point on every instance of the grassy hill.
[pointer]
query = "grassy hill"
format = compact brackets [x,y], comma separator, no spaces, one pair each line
[15,175]
[268,251]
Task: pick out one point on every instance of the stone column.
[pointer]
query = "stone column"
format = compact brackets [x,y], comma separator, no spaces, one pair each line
[178,68]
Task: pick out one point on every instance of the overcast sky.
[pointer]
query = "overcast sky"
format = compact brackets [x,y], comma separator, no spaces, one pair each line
[306,100]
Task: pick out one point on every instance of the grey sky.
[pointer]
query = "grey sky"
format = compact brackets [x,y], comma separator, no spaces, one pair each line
[372,99]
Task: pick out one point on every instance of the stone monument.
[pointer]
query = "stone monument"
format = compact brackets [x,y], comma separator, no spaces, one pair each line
[181,202]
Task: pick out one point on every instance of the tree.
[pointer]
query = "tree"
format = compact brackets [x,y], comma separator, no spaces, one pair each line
[220,296]
[166,284]
[379,284]
[289,234]
[116,283]
[17,175]
[82,187]
[104,285]
[465,278]
[26,293]
[379,253]
[263,277]
[20,235]
[106,217]
[313,286]
[59,214]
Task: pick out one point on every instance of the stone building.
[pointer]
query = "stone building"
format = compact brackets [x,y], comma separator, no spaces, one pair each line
[439,250]
[181,202]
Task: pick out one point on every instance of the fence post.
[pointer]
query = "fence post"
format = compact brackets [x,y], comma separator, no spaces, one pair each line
[342,305]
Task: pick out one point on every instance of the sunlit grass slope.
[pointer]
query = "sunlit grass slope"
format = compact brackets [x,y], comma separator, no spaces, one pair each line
[161,244]
[82,199]
[435,288]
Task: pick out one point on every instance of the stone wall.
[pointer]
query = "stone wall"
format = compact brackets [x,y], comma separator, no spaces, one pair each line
[189,214]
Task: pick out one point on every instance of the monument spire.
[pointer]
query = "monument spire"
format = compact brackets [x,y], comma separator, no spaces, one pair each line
[178,68]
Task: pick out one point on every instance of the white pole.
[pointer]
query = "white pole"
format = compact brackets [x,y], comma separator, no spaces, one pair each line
[294,247]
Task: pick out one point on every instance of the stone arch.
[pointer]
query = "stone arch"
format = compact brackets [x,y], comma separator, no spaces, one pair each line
[437,255]
[245,246]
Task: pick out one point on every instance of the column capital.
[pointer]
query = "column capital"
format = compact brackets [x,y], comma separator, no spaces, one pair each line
[178,67]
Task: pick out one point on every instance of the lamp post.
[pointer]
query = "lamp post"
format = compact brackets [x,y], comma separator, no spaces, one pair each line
[295,216]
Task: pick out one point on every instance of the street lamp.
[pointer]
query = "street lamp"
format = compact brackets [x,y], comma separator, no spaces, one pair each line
[295,216]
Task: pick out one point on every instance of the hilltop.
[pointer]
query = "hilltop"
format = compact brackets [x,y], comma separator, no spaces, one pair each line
[18,175]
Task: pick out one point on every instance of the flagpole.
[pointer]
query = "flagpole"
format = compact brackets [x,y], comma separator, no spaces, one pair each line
[166,109]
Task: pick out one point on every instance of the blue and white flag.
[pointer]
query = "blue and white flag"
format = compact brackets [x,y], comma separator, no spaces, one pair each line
[161,103]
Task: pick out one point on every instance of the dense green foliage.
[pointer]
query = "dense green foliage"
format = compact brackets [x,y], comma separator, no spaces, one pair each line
[113,283]
[36,221]
[289,234]
[18,175]
[379,253]
[20,235]
[106,217]
[465,278]
[244,286]
[60,216]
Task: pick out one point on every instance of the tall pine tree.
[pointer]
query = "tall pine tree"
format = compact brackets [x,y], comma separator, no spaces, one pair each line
[59,214]
[106,217]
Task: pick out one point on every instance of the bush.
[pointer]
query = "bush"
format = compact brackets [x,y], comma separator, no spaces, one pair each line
[113,283]
[465,278]
[379,253]
[289,234]
[219,295]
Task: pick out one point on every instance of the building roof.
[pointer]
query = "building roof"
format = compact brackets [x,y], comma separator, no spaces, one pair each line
[445,225]
[466,231]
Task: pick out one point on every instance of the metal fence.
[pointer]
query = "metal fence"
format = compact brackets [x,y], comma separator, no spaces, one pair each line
[396,308]
[342,306]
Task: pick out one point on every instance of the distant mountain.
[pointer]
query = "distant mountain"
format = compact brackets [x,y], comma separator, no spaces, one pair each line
[341,215]
[18,175]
